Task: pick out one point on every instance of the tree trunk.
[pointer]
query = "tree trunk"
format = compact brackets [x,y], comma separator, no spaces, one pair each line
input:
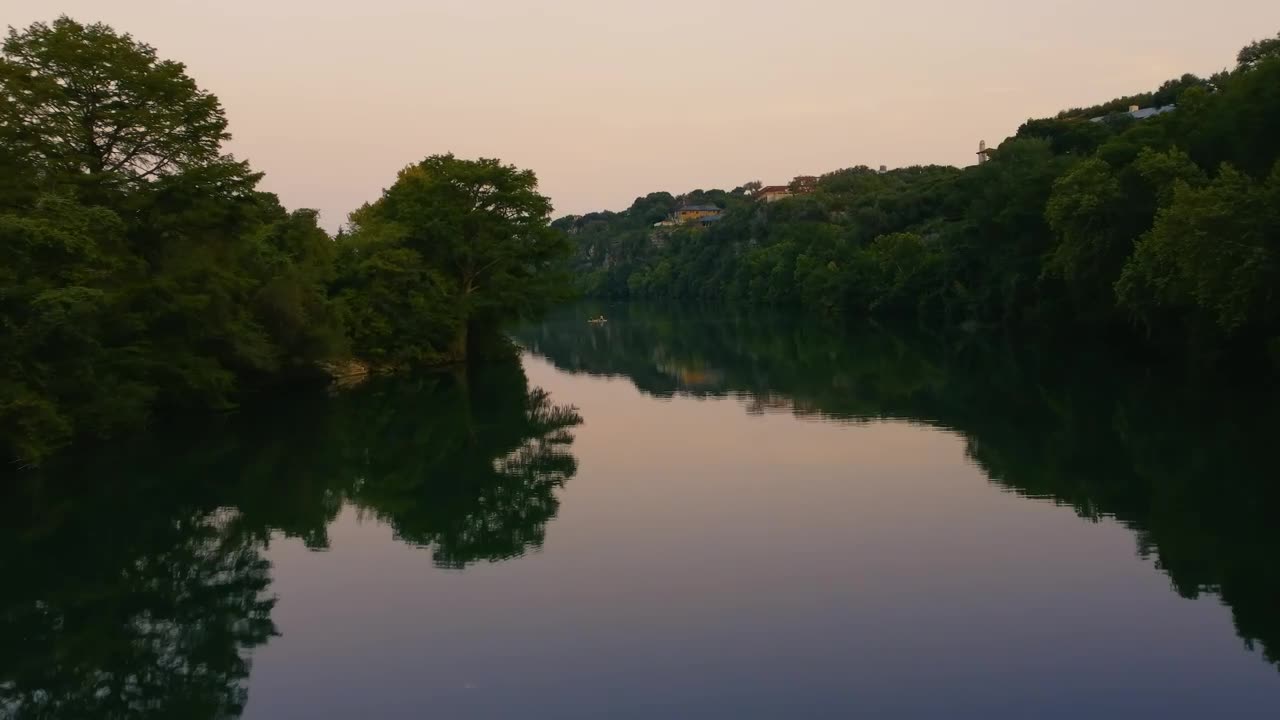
[458,348]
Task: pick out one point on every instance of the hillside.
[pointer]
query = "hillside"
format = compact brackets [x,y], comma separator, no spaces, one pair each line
[1092,221]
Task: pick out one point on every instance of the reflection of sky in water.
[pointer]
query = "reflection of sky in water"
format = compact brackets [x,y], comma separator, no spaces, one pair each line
[708,562]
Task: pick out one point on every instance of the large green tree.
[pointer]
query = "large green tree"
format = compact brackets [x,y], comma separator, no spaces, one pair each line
[142,267]
[1086,213]
[83,99]
[479,230]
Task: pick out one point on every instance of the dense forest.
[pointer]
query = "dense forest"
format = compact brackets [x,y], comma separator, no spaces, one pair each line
[1164,229]
[143,271]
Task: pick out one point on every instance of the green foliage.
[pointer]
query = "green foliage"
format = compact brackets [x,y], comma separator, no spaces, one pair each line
[1213,250]
[907,271]
[1257,51]
[82,100]
[1069,226]
[62,300]
[142,270]
[1163,172]
[1086,213]
[1068,136]
[472,236]
[296,261]
[395,306]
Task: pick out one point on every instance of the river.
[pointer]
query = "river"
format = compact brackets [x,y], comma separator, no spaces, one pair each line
[679,513]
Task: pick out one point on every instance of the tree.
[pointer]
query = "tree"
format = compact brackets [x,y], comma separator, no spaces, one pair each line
[906,270]
[297,265]
[84,100]
[1086,213]
[60,298]
[1215,250]
[1075,136]
[1082,212]
[1257,51]
[1171,91]
[999,255]
[395,305]
[1163,172]
[484,228]
[141,267]
[652,208]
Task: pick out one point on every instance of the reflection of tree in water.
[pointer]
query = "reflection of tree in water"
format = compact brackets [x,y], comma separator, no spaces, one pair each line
[1185,463]
[467,463]
[485,488]
[121,615]
[142,585]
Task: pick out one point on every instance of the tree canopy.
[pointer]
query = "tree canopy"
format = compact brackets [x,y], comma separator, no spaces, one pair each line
[84,99]
[480,232]
[142,270]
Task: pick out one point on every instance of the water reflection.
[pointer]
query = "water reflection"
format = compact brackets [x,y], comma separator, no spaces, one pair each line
[138,615]
[1186,464]
[137,581]
[138,585]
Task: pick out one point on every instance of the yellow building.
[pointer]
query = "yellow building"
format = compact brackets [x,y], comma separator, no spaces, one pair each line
[693,213]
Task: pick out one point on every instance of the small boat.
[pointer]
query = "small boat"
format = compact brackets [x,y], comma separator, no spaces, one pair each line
[597,320]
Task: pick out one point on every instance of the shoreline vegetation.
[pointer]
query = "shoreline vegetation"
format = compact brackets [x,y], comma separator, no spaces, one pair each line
[142,271]
[1152,221]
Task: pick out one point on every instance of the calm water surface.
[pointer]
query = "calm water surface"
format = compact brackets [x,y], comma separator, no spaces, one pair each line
[678,514]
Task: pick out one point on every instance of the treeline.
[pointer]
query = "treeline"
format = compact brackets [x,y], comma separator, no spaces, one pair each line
[1166,228]
[141,268]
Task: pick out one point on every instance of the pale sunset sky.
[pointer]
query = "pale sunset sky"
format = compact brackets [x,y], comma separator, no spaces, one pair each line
[610,100]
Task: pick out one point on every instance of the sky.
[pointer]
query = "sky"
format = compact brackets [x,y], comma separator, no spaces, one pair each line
[608,100]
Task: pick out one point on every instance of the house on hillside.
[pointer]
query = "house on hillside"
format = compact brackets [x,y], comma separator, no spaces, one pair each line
[1139,113]
[700,215]
[773,193]
[799,185]
[694,213]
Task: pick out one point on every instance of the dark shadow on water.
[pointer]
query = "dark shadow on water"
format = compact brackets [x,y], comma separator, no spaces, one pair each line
[136,583]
